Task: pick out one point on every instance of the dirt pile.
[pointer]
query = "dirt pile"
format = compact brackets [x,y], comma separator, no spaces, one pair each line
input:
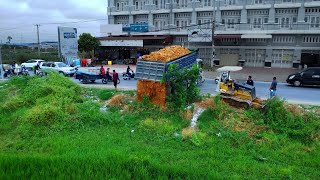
[167,54]
[155,91]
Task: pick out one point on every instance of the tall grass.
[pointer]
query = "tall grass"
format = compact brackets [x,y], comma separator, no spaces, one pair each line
[51,128]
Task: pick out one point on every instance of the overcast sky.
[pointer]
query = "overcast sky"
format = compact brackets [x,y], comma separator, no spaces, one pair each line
[18,17]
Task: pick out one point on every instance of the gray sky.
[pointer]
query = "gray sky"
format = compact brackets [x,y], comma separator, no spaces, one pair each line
[18,17]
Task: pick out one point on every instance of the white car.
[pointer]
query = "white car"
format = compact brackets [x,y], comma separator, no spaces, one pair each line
[59,67]
[31,63]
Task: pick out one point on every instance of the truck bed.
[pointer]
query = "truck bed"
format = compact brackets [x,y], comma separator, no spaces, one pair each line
[155,70]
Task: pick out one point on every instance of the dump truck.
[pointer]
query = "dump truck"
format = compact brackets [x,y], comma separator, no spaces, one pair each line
[150,73]
[155,70]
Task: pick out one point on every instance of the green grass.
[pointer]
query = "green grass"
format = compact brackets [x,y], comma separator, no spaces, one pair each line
[51,128]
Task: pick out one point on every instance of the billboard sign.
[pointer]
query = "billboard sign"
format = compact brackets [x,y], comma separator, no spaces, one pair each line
[200,35]
[141,27]
[68,44]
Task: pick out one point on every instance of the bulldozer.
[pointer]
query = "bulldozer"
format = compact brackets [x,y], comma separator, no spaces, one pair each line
[236,93]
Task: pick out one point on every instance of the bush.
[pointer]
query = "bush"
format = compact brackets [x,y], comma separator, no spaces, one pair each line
[296,126]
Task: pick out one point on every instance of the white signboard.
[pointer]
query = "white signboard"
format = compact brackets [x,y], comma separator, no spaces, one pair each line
[132,43]
[200,35]
[68,43]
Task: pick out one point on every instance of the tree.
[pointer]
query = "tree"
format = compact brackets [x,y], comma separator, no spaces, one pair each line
[9,38]
[87,43]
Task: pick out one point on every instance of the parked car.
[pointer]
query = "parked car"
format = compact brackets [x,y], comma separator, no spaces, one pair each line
[31,63]
[59,67]
[310,76]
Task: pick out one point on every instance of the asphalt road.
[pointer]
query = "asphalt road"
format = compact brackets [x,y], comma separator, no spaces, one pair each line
[297,95]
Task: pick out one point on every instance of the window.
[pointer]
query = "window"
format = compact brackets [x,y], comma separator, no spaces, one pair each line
[286,1]
[294,19]
[265,20]
[258,1]
[137,5]
[249,20]
[276,20]
[118,6]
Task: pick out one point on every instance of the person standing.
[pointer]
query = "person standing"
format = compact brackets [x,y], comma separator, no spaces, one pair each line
[115,78]
[273,87]
[102,72]
[250,81]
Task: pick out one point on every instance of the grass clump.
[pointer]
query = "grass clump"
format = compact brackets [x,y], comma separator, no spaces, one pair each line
[296,125]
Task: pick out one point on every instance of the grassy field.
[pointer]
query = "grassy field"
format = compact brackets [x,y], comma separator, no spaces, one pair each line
[50,128]
[20,55]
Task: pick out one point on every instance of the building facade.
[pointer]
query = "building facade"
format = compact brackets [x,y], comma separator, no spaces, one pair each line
[254,33]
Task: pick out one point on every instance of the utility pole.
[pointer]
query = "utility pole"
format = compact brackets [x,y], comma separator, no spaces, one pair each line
[1,63]
[38,39]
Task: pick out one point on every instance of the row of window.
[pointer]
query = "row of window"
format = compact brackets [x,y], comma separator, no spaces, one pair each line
[286,11]
[177,15]
[181,39]
[253,40]
[142,16]
[230,13]
[311,39]
[258,12]
[158,16]
[204,14]
[312,10]
[284,39]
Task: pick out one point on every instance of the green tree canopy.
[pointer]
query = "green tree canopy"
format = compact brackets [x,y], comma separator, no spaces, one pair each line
[88,43]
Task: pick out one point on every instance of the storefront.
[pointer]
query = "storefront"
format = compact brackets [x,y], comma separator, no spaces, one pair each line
[126,50]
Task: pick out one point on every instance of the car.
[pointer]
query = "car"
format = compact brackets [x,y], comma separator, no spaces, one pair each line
[31,63]
[59,67]
[310,76]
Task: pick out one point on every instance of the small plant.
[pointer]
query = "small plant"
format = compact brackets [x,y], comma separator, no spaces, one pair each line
[183,86]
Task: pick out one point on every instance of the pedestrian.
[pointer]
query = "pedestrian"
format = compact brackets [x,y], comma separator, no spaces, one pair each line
[115,78]
[102,72]
[273,87]
[250,81]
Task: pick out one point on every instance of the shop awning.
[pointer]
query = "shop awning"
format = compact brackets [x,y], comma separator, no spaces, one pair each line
[256,36]
[223,36]
[133,37]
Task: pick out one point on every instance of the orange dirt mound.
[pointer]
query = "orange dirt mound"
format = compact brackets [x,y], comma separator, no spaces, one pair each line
[167,54]
[119,100]
[206,103]
[155,91]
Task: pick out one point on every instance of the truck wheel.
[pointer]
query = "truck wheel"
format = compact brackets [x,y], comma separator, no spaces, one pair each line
[297,83]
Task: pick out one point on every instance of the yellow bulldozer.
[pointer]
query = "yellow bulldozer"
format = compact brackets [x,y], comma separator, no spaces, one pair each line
[236,93]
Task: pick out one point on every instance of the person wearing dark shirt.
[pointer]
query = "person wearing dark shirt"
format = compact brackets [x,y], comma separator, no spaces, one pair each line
[273,87]
[115,78]
[250,81]
[108,74]
[128,71]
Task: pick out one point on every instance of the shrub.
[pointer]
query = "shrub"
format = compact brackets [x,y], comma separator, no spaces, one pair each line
[294,125]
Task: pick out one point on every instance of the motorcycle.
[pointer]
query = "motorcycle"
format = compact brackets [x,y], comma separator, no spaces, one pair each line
[126,76]
[106,79]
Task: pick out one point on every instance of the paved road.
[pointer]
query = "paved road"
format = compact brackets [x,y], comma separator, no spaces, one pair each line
[298,95]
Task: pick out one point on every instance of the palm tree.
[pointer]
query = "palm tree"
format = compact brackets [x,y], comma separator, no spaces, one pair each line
[9,39]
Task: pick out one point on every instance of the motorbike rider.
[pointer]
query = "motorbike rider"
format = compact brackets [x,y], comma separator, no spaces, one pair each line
[37,68]
[108,74]
[129,71]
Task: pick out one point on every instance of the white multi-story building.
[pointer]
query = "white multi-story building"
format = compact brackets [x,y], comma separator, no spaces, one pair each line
[255,33]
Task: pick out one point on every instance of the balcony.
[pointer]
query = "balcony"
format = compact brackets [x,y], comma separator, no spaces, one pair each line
[268,28]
